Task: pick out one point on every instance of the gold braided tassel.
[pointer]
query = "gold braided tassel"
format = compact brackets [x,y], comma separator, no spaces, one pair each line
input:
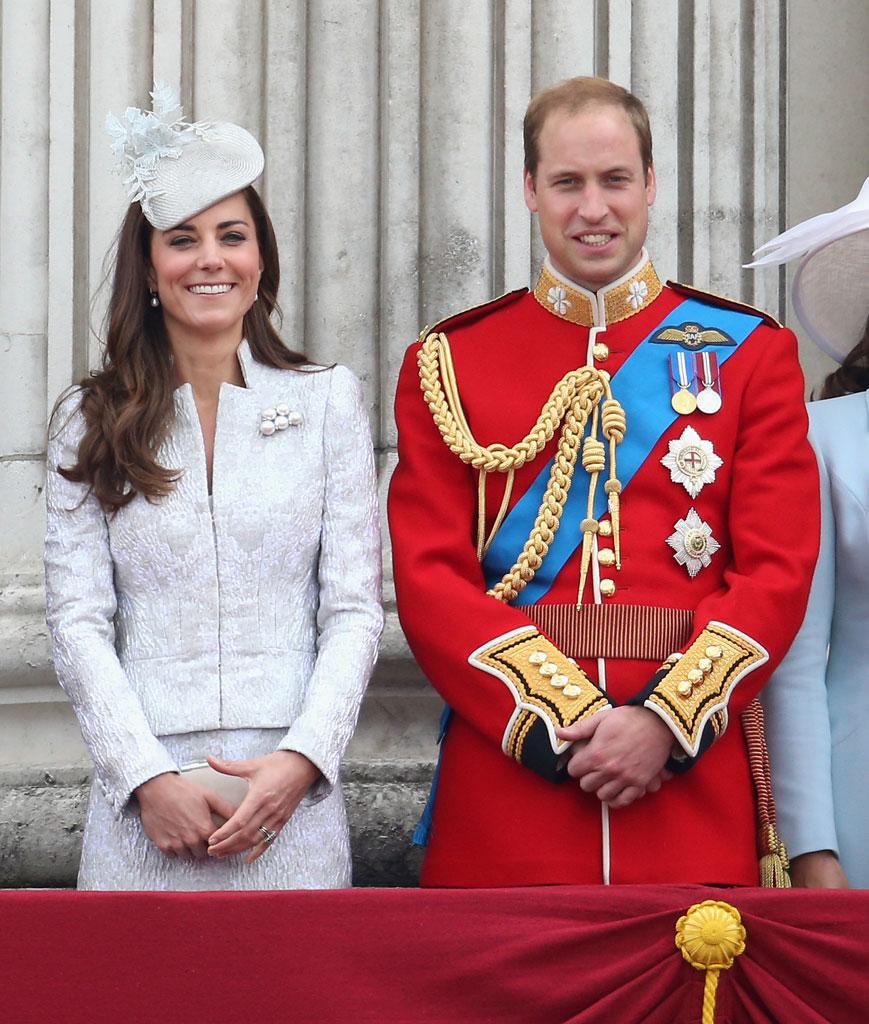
[573,400]
[775,864]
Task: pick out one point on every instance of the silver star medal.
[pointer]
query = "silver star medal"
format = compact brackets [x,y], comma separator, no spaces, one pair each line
[692,461]
[693,543]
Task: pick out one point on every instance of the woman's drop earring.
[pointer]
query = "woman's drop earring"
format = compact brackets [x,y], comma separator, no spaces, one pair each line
[155,300]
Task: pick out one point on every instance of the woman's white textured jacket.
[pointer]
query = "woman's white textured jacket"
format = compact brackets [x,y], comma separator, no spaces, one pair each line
[167,619]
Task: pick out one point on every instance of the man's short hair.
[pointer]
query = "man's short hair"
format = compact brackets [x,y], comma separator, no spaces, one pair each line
[574,95]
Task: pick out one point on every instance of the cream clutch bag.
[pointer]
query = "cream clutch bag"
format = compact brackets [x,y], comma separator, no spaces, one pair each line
[232,788]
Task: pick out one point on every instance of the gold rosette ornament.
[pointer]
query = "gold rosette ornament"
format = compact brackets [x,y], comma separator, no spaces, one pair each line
[710,936]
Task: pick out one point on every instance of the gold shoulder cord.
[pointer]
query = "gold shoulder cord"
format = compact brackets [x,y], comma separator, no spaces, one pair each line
[575,399]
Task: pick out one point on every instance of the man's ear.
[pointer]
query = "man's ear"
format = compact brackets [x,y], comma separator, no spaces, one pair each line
[530,191]
[651,185]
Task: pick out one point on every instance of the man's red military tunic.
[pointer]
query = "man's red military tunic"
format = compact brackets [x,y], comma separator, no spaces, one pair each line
[499,818]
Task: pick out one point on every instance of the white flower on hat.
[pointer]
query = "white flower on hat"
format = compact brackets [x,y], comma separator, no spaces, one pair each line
[176,169]
[144,137]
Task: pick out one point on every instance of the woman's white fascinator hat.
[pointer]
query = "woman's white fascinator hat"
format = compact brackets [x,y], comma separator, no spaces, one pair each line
[830,289]
[175,169]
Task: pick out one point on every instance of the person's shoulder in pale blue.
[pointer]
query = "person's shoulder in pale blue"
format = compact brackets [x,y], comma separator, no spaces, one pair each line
[817,702]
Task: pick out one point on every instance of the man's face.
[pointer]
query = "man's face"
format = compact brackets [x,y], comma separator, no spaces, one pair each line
[591,194]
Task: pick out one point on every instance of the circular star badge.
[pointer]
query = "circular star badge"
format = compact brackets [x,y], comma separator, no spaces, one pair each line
[692,461]
[693,543]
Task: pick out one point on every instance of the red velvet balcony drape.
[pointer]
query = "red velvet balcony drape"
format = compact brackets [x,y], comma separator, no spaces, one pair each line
[518,956]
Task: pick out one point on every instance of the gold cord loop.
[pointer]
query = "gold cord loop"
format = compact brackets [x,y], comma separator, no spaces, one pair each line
[576,397]
[613,421]
[593,455]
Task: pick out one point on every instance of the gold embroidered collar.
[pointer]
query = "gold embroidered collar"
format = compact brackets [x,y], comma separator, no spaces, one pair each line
[618,301]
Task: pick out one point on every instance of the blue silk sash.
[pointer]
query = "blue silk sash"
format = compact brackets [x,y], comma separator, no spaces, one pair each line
[642,387]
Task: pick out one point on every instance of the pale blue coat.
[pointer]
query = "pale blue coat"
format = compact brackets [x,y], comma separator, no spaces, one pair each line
[818,706]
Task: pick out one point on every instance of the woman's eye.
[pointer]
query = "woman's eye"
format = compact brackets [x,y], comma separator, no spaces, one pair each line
[234,236]
[179,241]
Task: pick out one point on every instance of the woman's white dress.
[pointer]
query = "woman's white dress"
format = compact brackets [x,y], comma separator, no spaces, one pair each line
[180,631]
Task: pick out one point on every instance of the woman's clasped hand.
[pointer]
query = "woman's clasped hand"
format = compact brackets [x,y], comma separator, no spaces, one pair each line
[277,783]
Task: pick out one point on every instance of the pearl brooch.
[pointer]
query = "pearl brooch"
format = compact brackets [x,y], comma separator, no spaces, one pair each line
[278,418]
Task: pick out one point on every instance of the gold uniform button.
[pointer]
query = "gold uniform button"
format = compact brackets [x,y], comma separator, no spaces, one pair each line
[607,588]
[600,351]
[606,556]
[606,528]
[685,689]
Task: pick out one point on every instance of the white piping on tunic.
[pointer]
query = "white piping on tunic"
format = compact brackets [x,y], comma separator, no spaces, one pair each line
[600,326]
[595,577]
[604,807]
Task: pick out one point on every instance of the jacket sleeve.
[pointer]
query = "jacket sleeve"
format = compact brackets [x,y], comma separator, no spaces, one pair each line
[485,658]
[350,616]
[742,630]
[80,607]
[798,718]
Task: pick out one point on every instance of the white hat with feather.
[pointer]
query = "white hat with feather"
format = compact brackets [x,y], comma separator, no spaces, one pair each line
[830,289]
[176,169]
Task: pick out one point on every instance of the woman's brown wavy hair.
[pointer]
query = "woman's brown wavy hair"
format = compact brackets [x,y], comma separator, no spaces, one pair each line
[127,404]
[853,375]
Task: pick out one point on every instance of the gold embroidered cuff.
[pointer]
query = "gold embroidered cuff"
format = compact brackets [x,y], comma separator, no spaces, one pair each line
[698,686]
[544,683]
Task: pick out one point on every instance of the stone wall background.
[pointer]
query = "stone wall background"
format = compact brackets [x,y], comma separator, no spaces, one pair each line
[392,131]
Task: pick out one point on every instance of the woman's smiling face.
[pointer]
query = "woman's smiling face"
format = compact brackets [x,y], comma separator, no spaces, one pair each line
[206,270]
